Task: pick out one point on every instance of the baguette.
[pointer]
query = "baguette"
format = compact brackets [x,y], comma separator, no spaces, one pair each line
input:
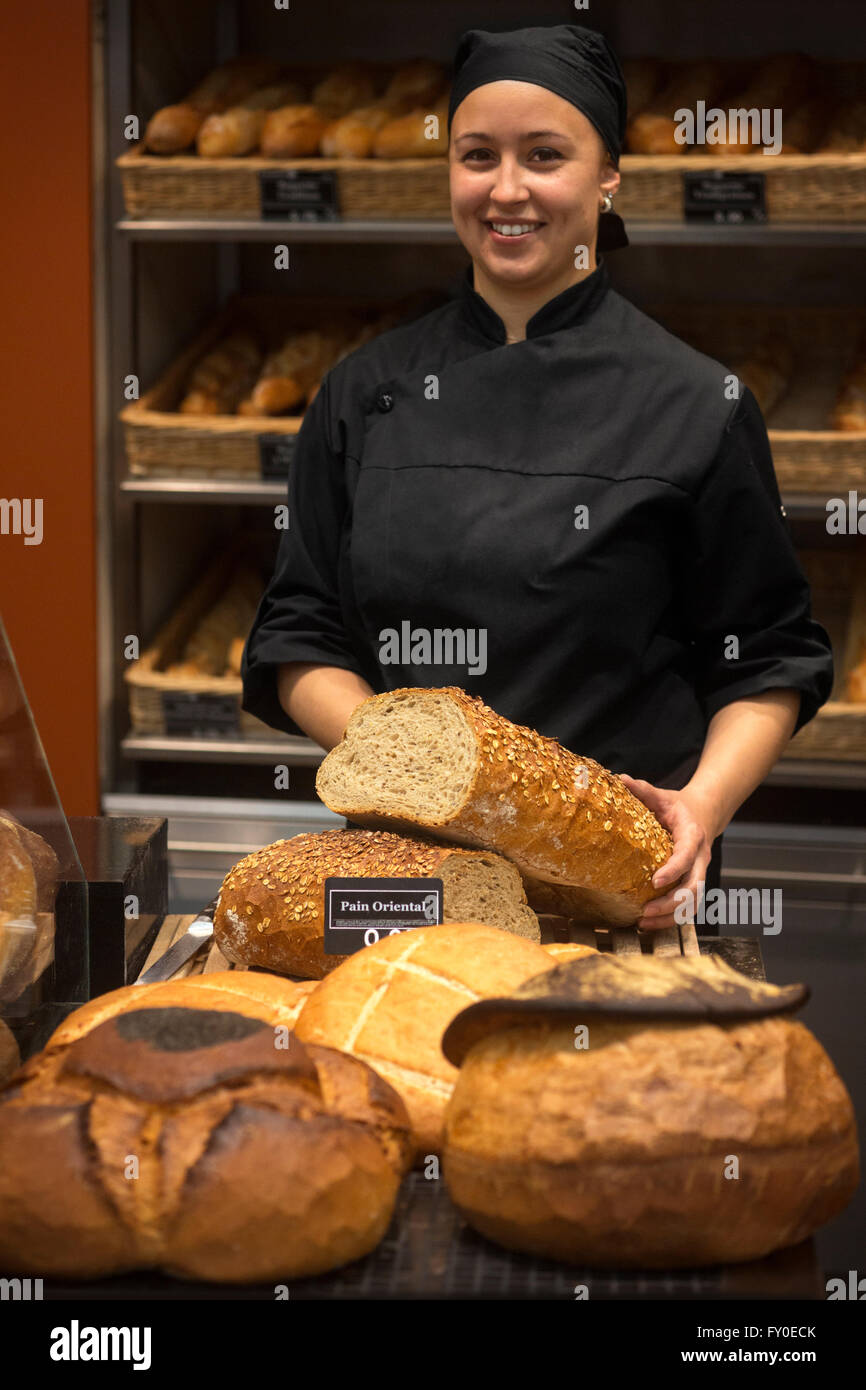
[289,373]
[174,128]
[653,130]
[293,131]
[846,132]
[271,910]
[849,410]
[406,137]
[238,130]
[785,82]
[442,761]
[221,378]
[347,86]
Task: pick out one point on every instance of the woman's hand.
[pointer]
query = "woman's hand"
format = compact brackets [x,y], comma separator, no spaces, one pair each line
[692,823]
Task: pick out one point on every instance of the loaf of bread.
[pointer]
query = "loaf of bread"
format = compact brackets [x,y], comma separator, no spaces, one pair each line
[204,1143]
[288,374]
[271,910]
[653,129]
[416,83]
[17,876]
[389,1005]
[256,995]
[442,761]
[174,128]
[849,410]
[221,379]
[352,136]
[238,130]
[412,136]
[207,650]
[294,131]
[346,87]
[691,1123]
[42,858]
[804,126]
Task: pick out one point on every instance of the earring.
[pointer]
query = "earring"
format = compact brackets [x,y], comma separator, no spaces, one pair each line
[607,203]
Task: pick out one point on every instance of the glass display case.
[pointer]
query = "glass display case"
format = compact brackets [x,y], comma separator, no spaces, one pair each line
[44,967]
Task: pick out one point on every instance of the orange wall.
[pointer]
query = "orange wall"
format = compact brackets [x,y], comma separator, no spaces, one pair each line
[47,591]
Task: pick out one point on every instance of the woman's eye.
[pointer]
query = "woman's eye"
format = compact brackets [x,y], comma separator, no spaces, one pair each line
[478,155]
[546,154]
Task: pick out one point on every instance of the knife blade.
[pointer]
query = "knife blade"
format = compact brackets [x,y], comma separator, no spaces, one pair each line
[197,934]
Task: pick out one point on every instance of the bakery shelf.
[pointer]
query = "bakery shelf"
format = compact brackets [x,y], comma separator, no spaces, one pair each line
[292,750]
[248,492]
[438,232]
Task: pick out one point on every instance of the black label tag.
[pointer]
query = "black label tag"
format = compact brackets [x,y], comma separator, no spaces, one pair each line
[361,911]
[299,195]
[276,452]
[192,715]
[723,195]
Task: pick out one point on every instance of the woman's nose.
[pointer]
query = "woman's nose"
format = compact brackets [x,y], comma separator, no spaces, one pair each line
[509,186]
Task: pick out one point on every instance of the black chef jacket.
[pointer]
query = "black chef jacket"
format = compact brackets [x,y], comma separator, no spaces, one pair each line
[434,489]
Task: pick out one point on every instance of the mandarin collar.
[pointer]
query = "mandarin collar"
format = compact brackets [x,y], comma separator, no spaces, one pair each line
[565,310]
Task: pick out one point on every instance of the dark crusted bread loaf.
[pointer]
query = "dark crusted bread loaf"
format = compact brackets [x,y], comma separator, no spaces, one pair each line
[200,1142]
[443,761]
[272,904]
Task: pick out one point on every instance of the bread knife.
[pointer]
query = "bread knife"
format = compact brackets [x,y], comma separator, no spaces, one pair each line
[199,931]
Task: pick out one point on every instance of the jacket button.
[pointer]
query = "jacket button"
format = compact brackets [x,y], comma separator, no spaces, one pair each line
[385,401]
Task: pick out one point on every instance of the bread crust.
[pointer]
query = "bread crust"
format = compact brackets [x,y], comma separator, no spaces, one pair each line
[255,1161]
[271,909]
[619,1154]
[390,1004]
[564,821]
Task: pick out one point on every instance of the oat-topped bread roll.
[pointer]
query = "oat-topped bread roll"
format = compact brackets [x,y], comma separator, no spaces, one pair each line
[389,1004]
[200,1142]
[442,760]
[271,909]
[691,1122]
[255,995]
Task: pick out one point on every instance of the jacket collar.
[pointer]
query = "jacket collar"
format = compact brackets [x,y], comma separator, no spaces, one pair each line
[565,310]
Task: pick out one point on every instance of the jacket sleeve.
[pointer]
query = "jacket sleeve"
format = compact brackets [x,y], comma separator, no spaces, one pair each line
[744,581]
[299,617]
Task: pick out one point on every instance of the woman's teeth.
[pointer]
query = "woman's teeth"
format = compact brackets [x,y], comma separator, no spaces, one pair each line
[513,228]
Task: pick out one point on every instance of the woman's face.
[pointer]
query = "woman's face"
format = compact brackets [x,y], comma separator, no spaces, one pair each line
[528,174]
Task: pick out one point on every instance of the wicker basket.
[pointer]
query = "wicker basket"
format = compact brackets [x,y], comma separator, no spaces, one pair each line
[798,187]
[154,694]
[838,731]
[162,443]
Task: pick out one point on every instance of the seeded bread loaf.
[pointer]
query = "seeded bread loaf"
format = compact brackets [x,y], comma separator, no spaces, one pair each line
[442,760]
[198,1142]
[389,1004]
[271,909]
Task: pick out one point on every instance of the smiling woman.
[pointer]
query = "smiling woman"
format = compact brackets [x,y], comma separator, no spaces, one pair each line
[539,465]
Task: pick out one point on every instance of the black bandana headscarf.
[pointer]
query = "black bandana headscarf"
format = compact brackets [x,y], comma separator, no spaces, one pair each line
[575,63]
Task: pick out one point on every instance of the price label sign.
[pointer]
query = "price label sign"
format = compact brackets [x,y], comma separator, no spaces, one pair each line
[724,196]
[299,195]
[361,911]
[191,715]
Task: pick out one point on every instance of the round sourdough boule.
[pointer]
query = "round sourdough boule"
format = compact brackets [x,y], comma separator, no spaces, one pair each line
[268,997]
[10,1057]
[620,1153]
[271,909]
[390,1003]
[257,1159]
